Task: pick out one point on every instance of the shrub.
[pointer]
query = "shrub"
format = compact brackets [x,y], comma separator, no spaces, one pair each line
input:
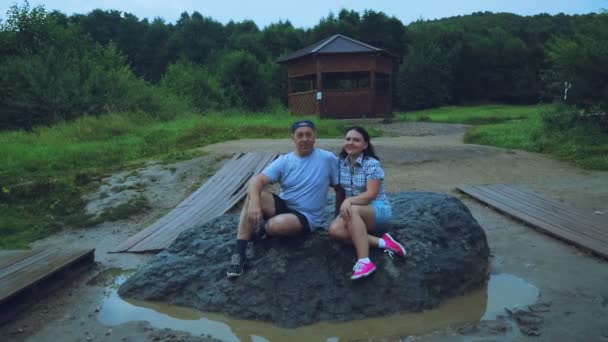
[193,84]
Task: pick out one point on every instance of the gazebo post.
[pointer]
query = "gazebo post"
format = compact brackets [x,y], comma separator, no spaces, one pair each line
[319,89]
[372,87]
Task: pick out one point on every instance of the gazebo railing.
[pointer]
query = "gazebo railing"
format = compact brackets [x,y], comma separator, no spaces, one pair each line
[303,103]
[346,103]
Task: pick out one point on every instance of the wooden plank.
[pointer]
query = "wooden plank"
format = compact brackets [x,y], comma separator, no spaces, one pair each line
[197,213]
[551,230]
[8,258]
[536,199]
[562,215]
[552,218]
[150,231]
[233,190]
[214,186]
[532,212]
[213,180]
[577,235]
[214,206]
[32,259]
[25,277]
[214,198]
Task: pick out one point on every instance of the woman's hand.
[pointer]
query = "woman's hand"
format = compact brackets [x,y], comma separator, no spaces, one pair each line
[345,210]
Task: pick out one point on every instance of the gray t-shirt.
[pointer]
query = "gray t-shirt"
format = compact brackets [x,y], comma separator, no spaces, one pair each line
[305,181]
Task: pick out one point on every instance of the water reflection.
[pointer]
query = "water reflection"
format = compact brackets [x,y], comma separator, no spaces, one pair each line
[503,291]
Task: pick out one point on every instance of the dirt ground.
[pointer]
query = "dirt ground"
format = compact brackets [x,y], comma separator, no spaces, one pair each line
[416,157]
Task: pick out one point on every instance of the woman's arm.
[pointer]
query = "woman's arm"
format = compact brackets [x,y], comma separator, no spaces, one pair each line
[364,198]
[370,194]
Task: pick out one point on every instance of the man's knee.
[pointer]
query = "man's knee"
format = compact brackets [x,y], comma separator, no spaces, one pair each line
[267,204]
[283,225]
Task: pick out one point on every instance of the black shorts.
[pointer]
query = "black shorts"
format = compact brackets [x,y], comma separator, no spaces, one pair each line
[280,207]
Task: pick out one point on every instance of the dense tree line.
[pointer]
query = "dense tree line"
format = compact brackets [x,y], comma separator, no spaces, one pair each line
[57,67]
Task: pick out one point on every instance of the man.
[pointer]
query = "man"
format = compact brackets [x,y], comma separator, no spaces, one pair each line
[305,176]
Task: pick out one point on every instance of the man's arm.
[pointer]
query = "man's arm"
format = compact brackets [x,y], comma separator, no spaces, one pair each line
[340,195]
[254,210]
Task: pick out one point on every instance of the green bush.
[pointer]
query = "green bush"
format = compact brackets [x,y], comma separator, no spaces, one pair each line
[242,79]
[194,84]
[64,75]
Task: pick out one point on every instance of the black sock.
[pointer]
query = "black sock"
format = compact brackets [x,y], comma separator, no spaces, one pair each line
[259,234]
[241,247]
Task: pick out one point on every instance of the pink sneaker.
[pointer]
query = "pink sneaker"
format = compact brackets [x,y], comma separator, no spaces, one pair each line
[393,246]
[362,269]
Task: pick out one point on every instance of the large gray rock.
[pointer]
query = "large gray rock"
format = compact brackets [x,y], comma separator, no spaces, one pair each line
[299,281]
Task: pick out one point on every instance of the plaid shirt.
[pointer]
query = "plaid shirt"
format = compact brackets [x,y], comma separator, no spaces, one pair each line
[354,179]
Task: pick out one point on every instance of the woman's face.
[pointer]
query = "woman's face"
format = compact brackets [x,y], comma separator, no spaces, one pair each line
[354,144]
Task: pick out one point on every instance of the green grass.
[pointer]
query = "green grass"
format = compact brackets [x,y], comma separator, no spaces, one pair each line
[474,115]
[99,144]
[526,128]
[44,173]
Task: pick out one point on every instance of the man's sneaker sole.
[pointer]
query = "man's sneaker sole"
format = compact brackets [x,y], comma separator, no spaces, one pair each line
[236,266]
[233,275]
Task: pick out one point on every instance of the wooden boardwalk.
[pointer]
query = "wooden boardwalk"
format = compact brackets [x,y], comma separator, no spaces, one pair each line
[552,218]
[23,273]
[220,193]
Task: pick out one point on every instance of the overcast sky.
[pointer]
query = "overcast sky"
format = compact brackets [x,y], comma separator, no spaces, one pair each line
[307,13]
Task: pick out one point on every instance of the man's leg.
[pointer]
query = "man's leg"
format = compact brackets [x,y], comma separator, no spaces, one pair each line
[285,225]
[245,230]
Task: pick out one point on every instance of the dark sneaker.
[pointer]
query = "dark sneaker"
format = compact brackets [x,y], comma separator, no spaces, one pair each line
[260,233]
[235,268]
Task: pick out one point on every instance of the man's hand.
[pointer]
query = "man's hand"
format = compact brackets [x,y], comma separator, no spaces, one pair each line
[254,209]
[254,215]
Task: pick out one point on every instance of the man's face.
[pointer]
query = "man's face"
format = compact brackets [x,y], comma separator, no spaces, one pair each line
[304,139]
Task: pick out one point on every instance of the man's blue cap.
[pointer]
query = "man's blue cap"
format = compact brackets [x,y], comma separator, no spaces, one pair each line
[302,123]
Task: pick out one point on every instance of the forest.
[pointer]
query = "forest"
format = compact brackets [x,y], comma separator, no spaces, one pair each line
[56,68]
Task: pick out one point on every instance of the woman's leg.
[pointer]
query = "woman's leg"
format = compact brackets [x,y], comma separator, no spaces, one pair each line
[361,221]
[339,231]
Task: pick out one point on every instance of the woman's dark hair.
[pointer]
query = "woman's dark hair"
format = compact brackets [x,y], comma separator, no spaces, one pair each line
[369,151]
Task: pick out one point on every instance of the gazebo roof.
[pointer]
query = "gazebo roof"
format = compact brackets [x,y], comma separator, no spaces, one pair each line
[334,44]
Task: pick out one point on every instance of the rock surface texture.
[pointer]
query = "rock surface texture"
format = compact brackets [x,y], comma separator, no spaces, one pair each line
[300,281]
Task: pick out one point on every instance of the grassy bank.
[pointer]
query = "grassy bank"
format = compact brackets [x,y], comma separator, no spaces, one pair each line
[44,173]
[529,128]
[475,115]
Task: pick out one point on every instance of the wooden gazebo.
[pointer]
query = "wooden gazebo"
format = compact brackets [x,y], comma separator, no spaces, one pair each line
[340,77]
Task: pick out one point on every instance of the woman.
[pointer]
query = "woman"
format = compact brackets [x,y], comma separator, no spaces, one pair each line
[366,204]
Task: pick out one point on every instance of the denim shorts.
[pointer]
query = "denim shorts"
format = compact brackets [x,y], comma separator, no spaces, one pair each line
[383,212]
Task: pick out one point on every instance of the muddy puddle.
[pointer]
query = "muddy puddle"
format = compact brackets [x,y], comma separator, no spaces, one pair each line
[503,291]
